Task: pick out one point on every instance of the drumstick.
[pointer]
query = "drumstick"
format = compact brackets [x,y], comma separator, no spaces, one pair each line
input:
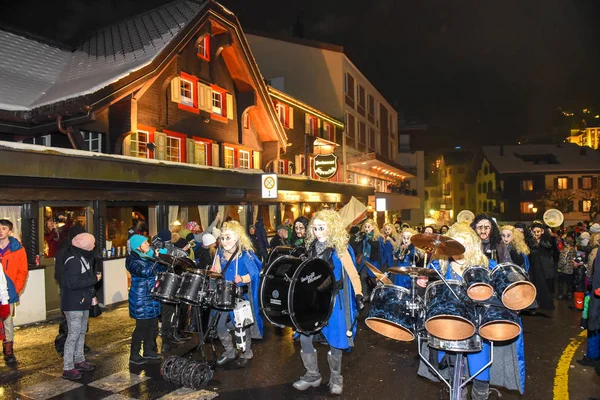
[349,332]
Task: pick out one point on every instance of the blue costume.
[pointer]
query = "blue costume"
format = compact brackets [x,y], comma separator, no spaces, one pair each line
[406,261]
[372,252]
[387,254]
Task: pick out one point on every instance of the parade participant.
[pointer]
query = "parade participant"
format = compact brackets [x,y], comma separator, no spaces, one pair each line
[238,263]
[77,291]
[14,263]
[328,240]
[491,242]
[144,308]
[444,229]
[565,269]
[507,360]
[299,232]
[429,230]
[372,245]
[406,254]
[281,238]
[542,267]
[390,237]
[514,240]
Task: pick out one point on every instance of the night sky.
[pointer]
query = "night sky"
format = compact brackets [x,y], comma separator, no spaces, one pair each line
[475,71]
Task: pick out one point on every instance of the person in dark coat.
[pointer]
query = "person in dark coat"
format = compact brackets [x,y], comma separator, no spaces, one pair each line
[77,291]
[253,237]
[299,231]
[281,238]
[542,267]
[491,241]
[263,243]
[142,306]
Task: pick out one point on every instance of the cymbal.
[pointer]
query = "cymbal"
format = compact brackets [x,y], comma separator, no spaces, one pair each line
[443,245]
[413,270]
[210,274]
[380,276]
[182,262]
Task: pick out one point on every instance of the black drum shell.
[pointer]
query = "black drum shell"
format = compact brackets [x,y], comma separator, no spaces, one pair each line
[390,314]
[225,295]
[447,317]
[477,280]
[278,252]
[166,286]
[297,293]
[192,287]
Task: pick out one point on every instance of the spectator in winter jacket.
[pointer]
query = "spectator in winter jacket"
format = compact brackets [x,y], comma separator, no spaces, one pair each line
[565,269]
[14,264]
[281,238]
[77,291]
[142,306]
[579,280]
[261,235]
[4,306]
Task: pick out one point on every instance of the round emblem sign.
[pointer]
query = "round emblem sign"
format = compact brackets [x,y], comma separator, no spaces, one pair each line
[325,165]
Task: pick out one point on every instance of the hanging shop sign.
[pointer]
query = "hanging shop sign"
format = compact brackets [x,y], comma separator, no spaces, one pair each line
[325,165]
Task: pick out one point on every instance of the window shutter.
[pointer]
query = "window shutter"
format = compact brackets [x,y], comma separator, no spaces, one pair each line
[127,145]
[197,154]
[236,158]
[201,96]
[298,164]
[594,183]
[579,183]
[229,104]
[318,130]
[256,156]
[569,183]
[190,151]
[580,206]
[160,139]
[555,183]
[208,93]
[175,90]
[290,111]
[215,155]
[306,123]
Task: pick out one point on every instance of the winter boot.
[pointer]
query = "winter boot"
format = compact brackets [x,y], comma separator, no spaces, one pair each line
[480,390]
[336,382]
[229,353]
[9,355]
[312,377]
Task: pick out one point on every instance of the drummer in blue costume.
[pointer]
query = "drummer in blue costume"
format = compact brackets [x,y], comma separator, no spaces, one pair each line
[242,267]
[452,269]
[372,245]
[328,240]
[390,237]
[406,254]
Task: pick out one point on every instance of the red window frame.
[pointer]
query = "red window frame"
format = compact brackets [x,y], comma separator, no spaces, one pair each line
[328,131]
[216,117]
[194,81]
[286,111]
[206,40]
[182,143]
[236,155]
[314,125]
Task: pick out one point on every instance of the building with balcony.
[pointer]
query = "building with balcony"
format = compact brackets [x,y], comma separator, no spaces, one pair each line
[589,136]
[519,183]
[320,74]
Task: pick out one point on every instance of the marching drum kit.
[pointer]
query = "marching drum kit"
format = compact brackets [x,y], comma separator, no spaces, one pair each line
[452,315]
[195,292]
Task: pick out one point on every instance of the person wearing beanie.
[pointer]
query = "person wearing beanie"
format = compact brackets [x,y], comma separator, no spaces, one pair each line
[142,306]
[207,251]
[595,228]
[77,291]
[281,238]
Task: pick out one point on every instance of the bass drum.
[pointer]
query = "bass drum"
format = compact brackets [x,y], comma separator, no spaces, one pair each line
[281,251]
[297,293]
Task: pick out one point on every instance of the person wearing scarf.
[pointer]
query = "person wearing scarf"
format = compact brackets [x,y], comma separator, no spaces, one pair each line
[142,306]
[238,263]
[77,290]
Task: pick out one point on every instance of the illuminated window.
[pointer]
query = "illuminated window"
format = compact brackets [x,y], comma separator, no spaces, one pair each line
[138,142]
[228,155]
[328,131]
[526,207]
[562,183]
[217,103]
[284,112]
[586,182]
[586,206]
[311,125]
[186,92]
[173,146]
[200,153]
[527,185]
[244,159]
[204,48]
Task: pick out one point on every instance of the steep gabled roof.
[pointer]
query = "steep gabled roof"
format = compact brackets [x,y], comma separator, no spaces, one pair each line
[542,158]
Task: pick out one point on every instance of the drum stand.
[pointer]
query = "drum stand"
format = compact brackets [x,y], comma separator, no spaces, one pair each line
[456,386]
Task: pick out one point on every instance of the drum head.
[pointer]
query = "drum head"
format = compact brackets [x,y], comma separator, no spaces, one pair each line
[311,295]
[519,295]
[278,252]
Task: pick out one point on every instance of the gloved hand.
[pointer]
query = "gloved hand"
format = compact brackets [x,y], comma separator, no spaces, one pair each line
[4,310]
[360,304]
[583,324]
[597,292]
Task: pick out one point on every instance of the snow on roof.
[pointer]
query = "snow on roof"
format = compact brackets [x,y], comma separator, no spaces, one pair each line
[542,158]
[34,74]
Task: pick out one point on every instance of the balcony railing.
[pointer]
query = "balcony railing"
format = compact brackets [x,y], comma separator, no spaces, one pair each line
[495,195]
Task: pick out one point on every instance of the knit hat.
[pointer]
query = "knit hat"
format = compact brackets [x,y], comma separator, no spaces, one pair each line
[136,241]
[164,235]
[595,228]
[85,241]
[74,231]
[282,227]
[190,226]
[181,243]
[216,232]
[208,239]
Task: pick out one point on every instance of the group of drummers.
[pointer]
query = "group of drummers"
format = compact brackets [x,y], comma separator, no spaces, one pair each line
[457,293]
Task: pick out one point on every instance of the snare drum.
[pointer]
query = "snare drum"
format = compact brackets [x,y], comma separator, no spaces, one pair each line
[390,313]
[191,288]
[470,345]
[225,295]
[512,286]
[477,280]
[447,317]
[166,286]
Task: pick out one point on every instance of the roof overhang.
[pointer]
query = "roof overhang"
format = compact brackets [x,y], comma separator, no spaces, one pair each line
[375,164]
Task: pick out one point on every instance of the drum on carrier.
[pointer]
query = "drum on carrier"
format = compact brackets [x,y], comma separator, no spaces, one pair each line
[166,286]
[449,317]
[285,251]
[499,324]
[193,288]
[477,279]
[390,313]
[297,293]
[512,286]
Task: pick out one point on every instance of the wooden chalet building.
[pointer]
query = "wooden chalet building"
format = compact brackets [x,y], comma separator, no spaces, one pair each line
[164,115]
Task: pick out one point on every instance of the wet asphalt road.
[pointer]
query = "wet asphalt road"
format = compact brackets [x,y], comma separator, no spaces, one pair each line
[377,368]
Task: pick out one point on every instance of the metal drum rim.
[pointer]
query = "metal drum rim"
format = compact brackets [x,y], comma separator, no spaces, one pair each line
[480,342]
[261,290]
[504,321]
[528,283]
[449,316]
[391,323]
